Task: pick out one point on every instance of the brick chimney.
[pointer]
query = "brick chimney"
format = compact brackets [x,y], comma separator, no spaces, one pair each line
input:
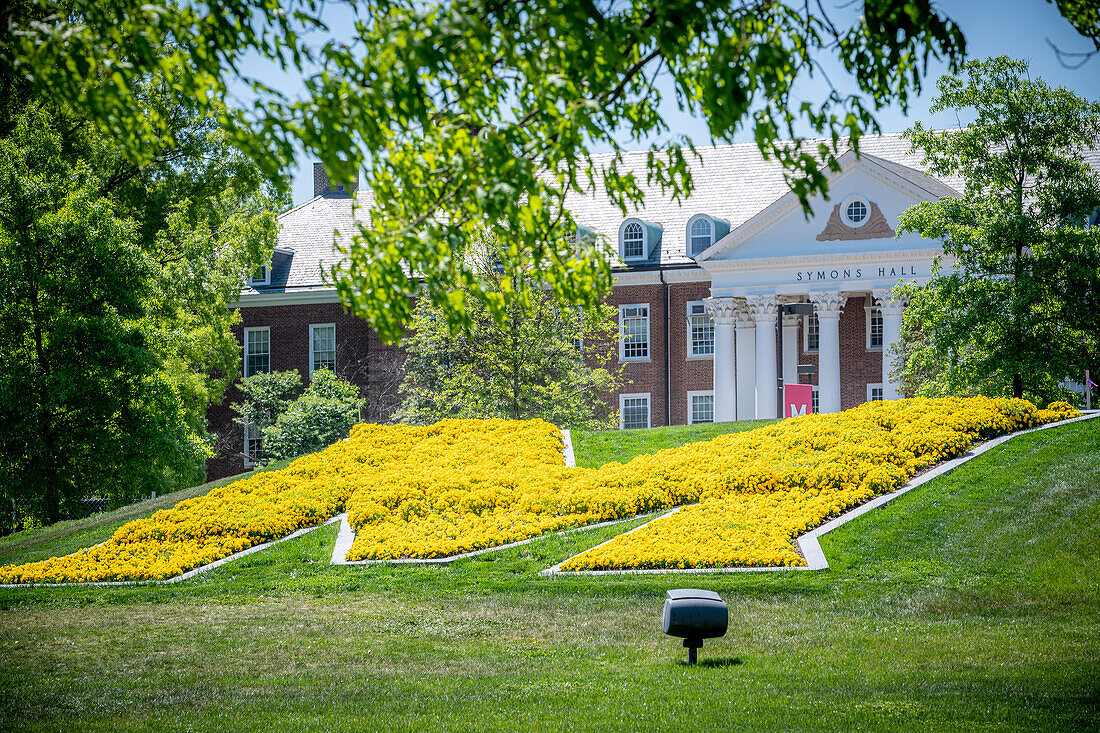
[323,187]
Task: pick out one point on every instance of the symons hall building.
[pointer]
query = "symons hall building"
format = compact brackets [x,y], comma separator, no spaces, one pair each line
[698,286]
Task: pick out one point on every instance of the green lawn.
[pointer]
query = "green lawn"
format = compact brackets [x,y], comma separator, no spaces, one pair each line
[594,448]
[971,603]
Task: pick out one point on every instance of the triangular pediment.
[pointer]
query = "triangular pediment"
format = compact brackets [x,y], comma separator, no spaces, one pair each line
[867,195]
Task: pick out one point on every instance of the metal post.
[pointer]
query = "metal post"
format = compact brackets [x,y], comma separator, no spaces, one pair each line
[779,366]
[693,649]
[1088,391]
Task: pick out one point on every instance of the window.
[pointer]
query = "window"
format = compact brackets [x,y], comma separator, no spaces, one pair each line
[855,211]
[874,328]
[814,401]
[701,236]
[633,241]
[700,407]
[633,332]
[874,392]
[633,411]
[700,330]
[322,347]
[253,443]
[262,276]
[811,337]
[257,351]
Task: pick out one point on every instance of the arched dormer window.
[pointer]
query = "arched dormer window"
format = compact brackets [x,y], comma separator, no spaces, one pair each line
[632,239]
[700,235]
[704,230]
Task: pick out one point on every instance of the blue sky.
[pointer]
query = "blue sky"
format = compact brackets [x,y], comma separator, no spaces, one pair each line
[1018,28]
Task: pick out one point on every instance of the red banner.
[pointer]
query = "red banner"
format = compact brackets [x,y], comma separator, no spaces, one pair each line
[798,399]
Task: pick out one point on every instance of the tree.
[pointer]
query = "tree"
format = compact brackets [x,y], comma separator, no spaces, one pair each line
[287,422]
[543,361]
[322,415]
[266,396]
[1005,314]
[114,327]
[474,113]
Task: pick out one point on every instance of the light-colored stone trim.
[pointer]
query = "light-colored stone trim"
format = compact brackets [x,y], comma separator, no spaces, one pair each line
[671,275]
[306,297]
[567,448]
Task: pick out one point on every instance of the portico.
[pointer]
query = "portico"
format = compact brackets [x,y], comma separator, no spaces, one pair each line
[844,253]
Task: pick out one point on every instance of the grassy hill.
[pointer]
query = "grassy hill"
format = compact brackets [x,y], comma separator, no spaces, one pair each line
[67,537]
[970,603]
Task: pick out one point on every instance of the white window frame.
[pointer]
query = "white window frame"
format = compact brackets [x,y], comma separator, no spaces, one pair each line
[248,462]
[692,313]
[648,409]
[854,198]
[871,387]
[265,280]
[806,334]
[622,241]
[312,355]
[815,399]
[689,246]
[622,334]
[691,407]
[256,329]
[867,327]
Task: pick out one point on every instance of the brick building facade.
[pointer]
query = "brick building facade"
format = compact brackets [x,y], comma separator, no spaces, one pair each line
[698,286]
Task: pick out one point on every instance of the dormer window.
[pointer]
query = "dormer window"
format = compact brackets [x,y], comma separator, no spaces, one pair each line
[262,276]
[700,235]
[703,231]
[638,240]
[633,241]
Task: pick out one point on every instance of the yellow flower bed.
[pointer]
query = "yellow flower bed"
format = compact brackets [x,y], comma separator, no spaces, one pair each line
[826,463]
[759,490]
[232,518]
[462,485]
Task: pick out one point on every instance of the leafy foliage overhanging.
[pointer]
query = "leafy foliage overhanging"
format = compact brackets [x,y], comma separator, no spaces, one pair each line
[485,114]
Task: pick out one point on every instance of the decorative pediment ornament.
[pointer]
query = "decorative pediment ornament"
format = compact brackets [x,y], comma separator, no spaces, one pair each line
[876,226]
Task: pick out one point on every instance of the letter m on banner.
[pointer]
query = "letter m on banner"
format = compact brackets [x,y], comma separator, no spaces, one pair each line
[797,400]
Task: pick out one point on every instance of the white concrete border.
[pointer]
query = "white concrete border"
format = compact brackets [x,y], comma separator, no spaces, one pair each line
[808,543]
[183,576]
[567,448]
[347,537]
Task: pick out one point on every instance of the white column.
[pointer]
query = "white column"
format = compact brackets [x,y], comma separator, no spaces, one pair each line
[765,310]
[828,307]
[746,360]
[790,349]
[725,391]
[892,310]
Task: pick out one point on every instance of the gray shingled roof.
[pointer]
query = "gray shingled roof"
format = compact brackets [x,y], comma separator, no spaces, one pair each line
[732,183]
[307,246]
